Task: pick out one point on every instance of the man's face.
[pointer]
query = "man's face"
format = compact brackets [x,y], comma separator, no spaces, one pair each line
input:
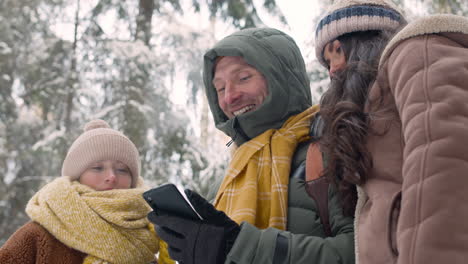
[240,87]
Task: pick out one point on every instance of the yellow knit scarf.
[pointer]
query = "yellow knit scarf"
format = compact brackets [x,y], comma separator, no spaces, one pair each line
[110,226]
[255,187]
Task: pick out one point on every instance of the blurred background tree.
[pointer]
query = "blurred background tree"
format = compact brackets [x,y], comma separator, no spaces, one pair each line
[51,86]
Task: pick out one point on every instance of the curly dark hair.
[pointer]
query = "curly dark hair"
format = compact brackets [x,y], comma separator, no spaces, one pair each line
[346,125]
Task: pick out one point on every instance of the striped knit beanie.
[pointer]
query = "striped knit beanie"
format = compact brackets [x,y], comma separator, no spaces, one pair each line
[346,16]
[100,142]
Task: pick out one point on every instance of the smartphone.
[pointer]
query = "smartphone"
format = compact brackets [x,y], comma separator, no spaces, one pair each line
[169,198]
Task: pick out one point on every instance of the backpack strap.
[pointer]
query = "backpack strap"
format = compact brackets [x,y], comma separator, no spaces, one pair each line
[314,158]
[314,162]
[317,186]
[318,190]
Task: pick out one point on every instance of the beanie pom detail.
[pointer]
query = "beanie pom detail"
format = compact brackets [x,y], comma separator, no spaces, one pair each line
[97,123]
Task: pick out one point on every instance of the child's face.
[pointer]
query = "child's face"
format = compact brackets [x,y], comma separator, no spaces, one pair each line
[335,57]
[107,175]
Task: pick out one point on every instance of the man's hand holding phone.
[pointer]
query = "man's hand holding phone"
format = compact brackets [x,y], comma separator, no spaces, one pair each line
[168,199]
[192,240]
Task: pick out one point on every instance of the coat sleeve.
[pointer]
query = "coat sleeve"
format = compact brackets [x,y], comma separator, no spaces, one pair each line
[259,246]
[21,246]
[32,244]
[428,79]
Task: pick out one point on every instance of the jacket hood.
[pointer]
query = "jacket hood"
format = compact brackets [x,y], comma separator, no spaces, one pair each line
[278,58]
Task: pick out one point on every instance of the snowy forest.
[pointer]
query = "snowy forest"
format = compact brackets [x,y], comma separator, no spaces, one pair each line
[138,65]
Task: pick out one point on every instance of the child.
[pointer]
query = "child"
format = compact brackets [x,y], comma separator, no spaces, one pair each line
[94,213]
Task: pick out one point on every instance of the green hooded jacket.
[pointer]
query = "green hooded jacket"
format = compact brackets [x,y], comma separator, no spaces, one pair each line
[284,71]
[278,58]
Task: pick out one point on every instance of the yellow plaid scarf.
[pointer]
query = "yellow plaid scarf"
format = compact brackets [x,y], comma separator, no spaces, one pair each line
[255,187]
[110,226]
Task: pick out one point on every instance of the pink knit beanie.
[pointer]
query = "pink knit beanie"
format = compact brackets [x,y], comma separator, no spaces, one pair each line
[346,16]
[100,142]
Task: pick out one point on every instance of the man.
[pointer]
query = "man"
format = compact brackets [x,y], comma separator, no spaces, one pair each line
[259,94]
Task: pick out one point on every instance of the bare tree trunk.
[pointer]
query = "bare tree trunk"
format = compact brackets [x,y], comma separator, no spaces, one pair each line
[205,111]
[72,79]
[135,124]
[145,15]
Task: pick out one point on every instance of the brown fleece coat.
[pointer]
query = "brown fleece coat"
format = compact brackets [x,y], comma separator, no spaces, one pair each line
[414,207]
[32,244]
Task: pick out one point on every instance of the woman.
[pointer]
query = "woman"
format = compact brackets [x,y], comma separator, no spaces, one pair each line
[395,125]
[94,213]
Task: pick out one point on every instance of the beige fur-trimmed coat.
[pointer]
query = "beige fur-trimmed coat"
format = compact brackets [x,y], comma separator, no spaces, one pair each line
[414,207]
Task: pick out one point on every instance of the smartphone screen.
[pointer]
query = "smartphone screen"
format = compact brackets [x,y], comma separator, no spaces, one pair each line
[170,199]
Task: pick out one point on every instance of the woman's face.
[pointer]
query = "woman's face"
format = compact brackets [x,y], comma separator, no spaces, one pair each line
[107,175]
[335,57]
